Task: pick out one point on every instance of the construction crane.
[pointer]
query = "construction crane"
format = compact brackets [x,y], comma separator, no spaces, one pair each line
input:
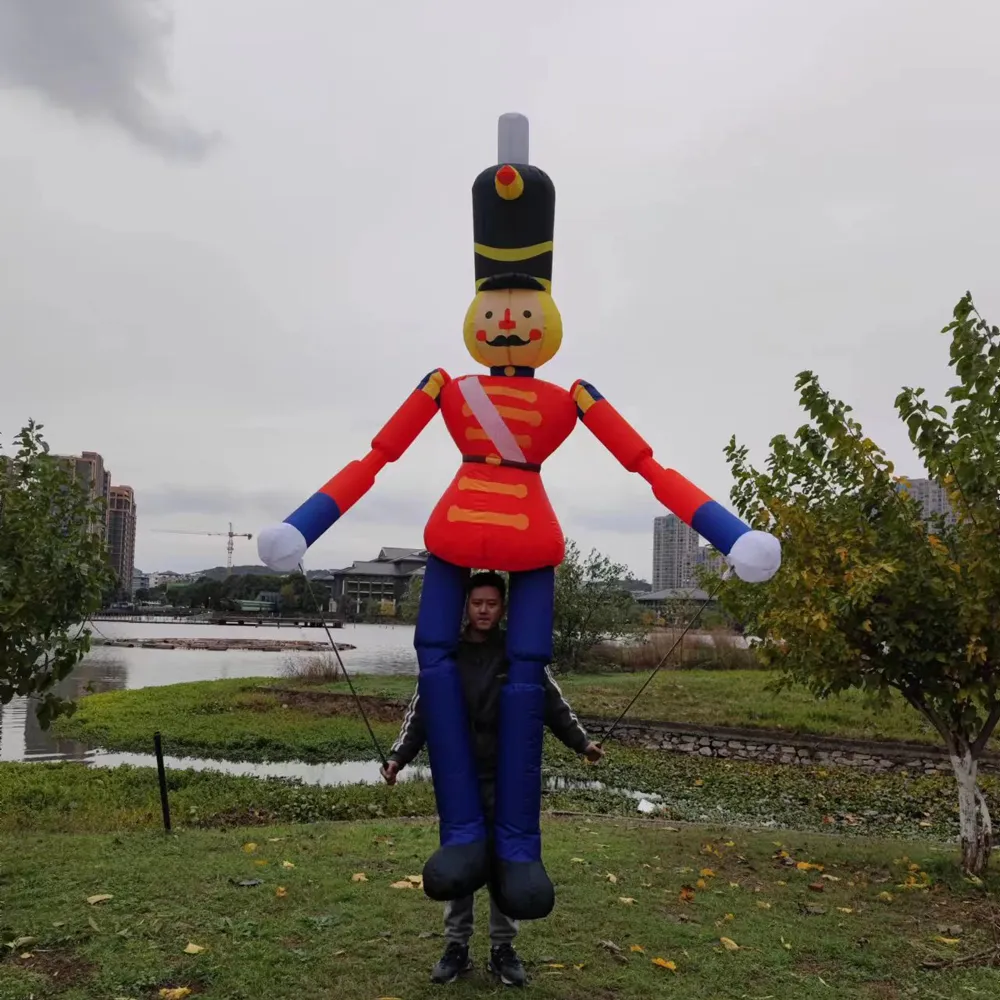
[230,534]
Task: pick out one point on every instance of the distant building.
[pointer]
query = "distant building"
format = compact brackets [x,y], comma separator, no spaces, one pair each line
[931,496]
[384,579]
[662,601]
[121,536]
[140,581]
[711,559]
[91,472]
[675,553]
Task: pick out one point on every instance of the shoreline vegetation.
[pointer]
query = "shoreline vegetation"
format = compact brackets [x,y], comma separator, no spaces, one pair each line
[220,645]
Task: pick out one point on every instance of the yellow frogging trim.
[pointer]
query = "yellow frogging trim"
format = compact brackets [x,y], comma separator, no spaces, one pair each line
[505,390]
[518,490]
[517,521]
[583,399]
[508,255]
[532,417]
[478,434]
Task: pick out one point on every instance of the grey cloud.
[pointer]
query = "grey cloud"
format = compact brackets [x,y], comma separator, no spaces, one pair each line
[254,509]
[98,59]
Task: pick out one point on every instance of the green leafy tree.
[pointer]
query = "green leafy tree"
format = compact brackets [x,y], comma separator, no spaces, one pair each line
[872,595]
[54,571]
[591,606]
[410,604]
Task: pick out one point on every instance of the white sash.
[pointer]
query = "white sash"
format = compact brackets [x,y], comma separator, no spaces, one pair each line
[489,419]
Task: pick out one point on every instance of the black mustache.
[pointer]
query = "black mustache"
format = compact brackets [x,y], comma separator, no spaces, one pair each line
[508,340]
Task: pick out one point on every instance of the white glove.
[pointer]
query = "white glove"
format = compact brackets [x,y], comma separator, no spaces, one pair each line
[281,547]
[755,556]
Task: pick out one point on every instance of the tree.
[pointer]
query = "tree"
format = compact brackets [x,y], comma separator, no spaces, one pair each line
[53,571]
[591,606]
[872,595]
[410,604]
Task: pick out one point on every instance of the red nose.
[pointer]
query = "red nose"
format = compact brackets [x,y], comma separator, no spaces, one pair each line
[507,323]
[506,175]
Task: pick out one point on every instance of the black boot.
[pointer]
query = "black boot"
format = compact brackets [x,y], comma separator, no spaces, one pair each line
[454,962]
[522,889]
[505,964]
[456,871]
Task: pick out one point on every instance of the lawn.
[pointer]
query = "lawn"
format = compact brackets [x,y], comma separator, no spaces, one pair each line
[741,698]
[642,911]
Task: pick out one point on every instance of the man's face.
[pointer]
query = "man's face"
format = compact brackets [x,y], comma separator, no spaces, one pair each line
[484,608]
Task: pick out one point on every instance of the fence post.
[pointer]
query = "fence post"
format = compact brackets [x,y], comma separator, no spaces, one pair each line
[161,773]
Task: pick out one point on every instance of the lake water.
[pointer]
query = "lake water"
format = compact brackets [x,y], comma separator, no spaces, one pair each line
[380,649]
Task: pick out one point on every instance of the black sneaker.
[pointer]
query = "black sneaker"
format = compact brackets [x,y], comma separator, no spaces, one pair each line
[454,962]
[505,964]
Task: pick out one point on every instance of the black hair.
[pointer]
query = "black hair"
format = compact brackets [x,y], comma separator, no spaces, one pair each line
[499,282]
[487,578]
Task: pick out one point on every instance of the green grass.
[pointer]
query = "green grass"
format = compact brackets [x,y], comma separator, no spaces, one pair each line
[71,797]
[254,726]
[328,936]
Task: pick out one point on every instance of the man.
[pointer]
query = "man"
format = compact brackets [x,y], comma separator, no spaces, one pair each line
[482,665]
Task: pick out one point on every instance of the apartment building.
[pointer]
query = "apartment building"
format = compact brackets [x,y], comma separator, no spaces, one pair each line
[121,536]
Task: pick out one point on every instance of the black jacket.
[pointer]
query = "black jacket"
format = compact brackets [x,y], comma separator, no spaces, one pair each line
[483,669]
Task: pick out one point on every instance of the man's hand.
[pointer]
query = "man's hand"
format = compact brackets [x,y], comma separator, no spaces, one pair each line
[593,753]
[389,771]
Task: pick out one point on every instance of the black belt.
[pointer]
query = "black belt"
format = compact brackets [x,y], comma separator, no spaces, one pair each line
[508,463]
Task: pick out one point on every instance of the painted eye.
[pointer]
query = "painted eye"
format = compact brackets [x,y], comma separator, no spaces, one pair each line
[489,314]
[527,314]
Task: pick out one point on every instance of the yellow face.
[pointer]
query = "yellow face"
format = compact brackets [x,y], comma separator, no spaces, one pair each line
[513,326]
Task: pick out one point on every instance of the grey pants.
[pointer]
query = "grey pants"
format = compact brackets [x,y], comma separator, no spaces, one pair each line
[459,916]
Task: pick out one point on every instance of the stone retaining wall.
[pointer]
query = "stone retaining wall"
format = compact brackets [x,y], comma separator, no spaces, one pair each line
[771,747]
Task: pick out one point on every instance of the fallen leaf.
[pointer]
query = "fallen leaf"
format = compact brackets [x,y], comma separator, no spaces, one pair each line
[808,866]
[415,879]
[25,956]
[701,884]
[582,965]
[287,864]
[698,782]
[844,909]
[339,952]
[612,878]
[707,873]
[578,861]
[249,848]
[627,900]
[402,884]
[687,894]
[175,993]
[785,945]
[734,885]
[763,905]
[830,878]
[274,840]
[555,965]
[281,892]
[947,940]
[249,883]
[93,924]
[817,886]
[609,946]
[359,877]
[727,918]
[260,862]
[102,898]
[729,944]
[886,897]
[665,964]
[638,948]
[194,949]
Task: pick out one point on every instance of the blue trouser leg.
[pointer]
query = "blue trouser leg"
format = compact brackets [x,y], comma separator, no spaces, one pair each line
[461,865]
[520,883]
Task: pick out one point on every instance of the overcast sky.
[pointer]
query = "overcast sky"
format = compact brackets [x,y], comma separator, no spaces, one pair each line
[234,234]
